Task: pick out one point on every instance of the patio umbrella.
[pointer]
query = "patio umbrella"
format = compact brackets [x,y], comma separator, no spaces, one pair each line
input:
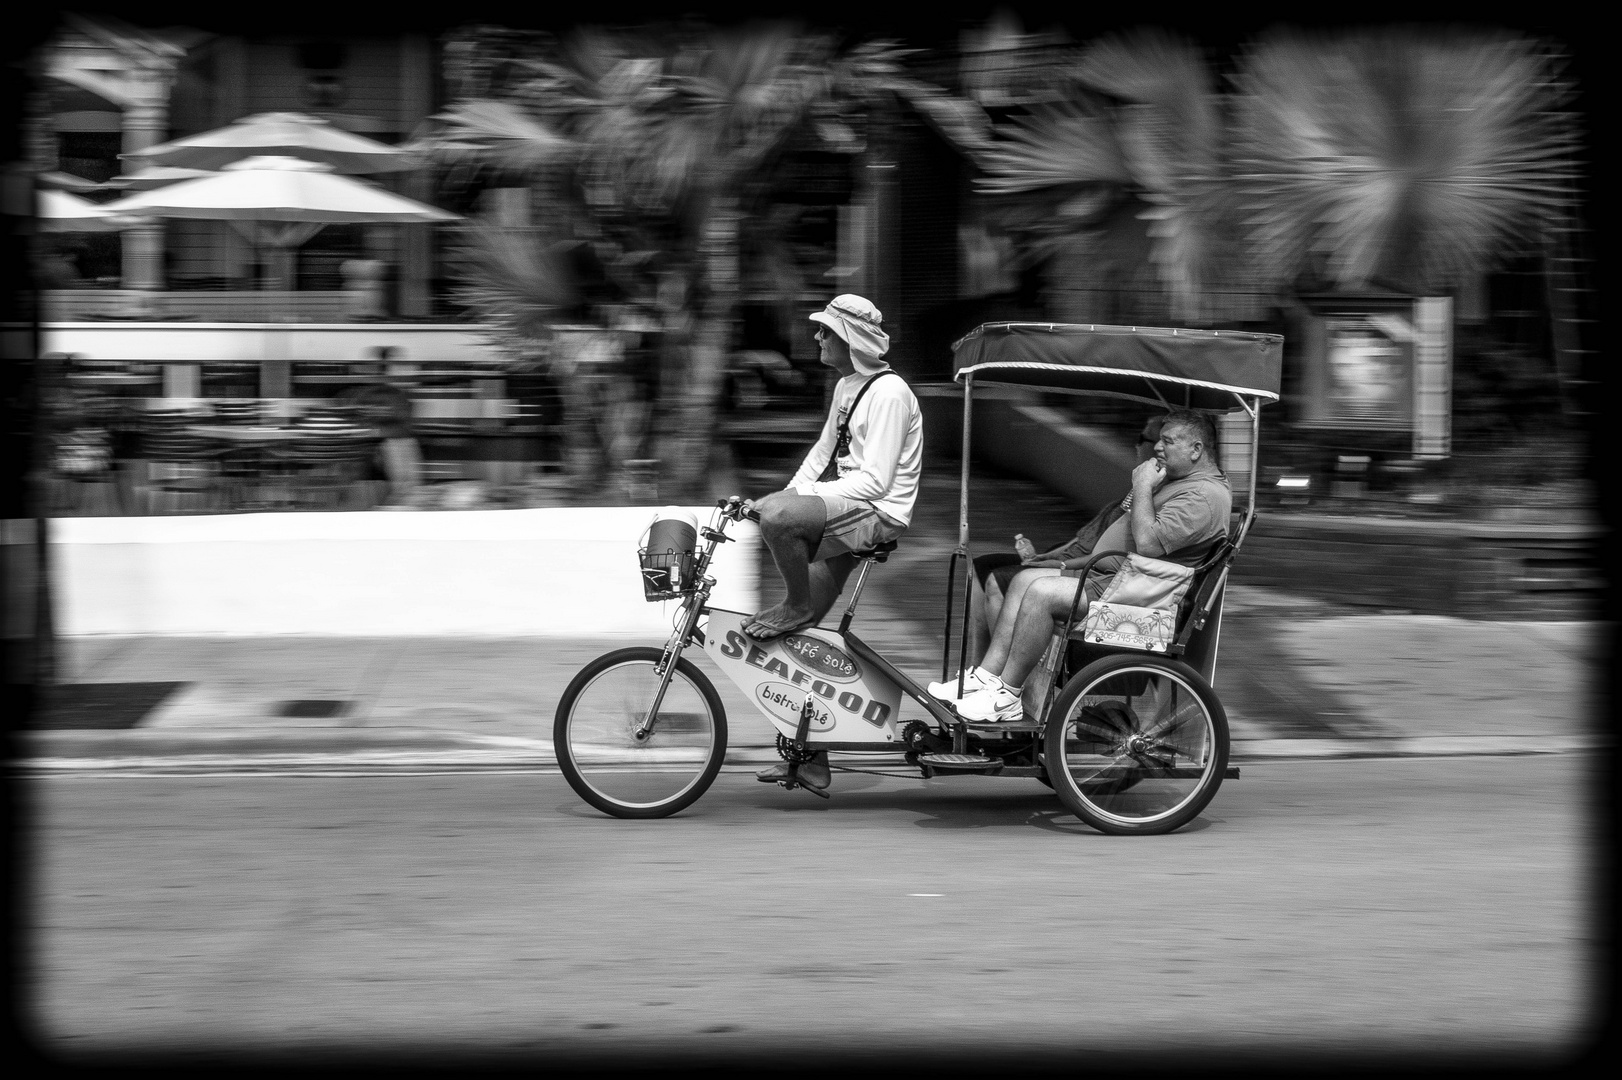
[153,176]
[279,201]
[63,181]
[280,134]
[60,211]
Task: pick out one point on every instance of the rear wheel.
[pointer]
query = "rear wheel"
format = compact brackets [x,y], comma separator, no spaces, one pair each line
[1136,746]
[599,753]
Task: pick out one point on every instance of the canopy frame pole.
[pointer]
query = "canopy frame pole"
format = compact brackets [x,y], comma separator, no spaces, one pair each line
[1255,411]
[963,486]
[963,534]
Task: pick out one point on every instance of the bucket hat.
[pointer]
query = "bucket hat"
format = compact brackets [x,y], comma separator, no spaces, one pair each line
[857,321]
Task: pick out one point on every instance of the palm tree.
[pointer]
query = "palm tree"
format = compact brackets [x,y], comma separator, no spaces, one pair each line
[665,141]
[1128,177]
[1398,158]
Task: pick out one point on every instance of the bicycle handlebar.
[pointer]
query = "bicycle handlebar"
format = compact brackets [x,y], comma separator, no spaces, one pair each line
[734,510]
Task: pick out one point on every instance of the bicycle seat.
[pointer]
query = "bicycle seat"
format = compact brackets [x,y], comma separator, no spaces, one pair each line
[878,552]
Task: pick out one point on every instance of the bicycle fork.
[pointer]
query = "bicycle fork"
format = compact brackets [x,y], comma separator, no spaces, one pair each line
[679,638]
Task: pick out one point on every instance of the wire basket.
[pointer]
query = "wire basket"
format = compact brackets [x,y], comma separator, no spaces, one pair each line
[666,574]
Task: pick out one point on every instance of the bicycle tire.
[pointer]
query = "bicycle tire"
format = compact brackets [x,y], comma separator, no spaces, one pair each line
[1136,746]
[619,775]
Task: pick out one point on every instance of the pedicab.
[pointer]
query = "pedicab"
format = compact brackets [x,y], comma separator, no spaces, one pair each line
[1123,724]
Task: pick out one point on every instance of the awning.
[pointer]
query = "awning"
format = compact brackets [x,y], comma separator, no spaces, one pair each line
[1196,369]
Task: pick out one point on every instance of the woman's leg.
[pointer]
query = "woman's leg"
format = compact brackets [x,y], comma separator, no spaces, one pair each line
[986,598]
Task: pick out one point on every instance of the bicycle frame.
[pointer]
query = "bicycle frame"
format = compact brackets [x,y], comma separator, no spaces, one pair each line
[852,693]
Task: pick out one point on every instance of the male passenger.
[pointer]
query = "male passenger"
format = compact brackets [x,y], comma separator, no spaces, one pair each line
[1180,499]
[996,572]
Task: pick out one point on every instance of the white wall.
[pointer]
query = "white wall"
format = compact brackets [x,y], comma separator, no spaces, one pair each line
[547,572]
[315,342]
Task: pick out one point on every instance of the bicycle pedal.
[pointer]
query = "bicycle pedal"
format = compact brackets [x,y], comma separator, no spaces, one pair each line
[790,785]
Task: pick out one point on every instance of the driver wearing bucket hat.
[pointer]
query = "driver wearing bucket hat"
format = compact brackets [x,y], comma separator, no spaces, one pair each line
[857,321]
[854,490]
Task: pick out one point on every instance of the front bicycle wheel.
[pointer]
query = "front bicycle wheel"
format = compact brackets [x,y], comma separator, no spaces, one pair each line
[600,753]
[1136,746]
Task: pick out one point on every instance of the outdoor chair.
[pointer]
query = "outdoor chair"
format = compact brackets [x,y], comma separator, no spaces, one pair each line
[180,464]
[82,473]
[245,411]
[320,471]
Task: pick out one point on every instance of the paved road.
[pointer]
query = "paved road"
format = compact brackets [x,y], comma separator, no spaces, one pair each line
[1414,906]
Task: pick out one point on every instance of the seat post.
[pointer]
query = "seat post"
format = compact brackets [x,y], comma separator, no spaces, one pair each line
[856,594]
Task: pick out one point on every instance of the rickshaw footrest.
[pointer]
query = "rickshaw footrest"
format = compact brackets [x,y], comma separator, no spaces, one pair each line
[960,762]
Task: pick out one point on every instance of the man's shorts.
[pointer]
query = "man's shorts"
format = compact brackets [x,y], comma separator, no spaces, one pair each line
[852,526]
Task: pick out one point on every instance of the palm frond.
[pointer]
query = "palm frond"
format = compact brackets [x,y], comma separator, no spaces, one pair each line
[961,120]
[1171,132]
[1399,157]
[498,133]
[511,280]
[1157,69]
[1055,145]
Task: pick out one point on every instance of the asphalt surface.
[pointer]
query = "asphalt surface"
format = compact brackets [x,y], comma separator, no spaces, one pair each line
[1431,910]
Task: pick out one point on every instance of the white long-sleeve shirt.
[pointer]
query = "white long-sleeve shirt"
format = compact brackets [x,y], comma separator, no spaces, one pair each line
[886,448]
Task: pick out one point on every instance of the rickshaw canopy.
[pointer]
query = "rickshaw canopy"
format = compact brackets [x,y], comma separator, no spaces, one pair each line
[1215,370]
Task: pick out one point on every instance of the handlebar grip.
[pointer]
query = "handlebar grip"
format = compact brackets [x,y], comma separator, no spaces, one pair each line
[733,508]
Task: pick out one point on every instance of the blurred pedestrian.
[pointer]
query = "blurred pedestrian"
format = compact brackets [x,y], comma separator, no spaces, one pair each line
[383,403]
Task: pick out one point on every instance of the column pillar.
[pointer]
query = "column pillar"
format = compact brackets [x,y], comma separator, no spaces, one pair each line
[146,123]
[416,252]
[232,254]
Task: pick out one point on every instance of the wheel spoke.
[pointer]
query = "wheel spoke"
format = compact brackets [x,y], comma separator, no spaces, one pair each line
[1143,744]
[597,744]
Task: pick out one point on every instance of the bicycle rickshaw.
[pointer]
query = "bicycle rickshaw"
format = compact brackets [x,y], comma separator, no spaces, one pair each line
[1132,741]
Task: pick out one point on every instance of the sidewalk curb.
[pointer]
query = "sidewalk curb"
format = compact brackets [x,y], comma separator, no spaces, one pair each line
[63,752]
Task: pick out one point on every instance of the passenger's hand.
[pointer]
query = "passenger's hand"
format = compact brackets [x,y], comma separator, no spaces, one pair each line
[1150,474]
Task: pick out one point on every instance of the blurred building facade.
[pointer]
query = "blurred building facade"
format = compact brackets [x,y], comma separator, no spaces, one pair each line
[107,88]
[901,222]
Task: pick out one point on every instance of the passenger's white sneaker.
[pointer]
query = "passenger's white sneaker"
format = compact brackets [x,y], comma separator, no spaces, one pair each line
[972,681]
[992,705]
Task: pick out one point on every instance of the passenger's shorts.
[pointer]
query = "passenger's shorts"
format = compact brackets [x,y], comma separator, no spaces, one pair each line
[1000,566]
[852,526]
[1097,580]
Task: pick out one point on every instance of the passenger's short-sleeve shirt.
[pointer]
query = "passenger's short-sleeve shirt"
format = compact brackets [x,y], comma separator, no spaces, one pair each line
[1188,512]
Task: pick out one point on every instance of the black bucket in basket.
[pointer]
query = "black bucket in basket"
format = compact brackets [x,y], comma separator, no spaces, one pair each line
[668,556]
